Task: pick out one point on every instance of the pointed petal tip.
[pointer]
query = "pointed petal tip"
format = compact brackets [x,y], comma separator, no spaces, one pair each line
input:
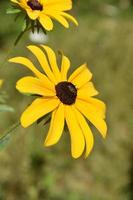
[17,86]
[104,134]
[11,60]
[14,60]
[23,124]
[67,26]
[86,155]
[29,46]
[75,156]
[47,143]
[76,23]
[23,121]
[49,29]
[86,65]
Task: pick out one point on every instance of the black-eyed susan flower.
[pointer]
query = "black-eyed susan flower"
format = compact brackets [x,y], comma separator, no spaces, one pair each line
[70,100]
[43,11]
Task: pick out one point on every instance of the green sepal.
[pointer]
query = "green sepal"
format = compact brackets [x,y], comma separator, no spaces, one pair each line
[27,94]
[12,11]
[45,119]
[24,26]
[31,95]
[29,25]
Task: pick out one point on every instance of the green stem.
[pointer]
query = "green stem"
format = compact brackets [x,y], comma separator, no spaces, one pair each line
[8,54]
[9,132]
[20,35]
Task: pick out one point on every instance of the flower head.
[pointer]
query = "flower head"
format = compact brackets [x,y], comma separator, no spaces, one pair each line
[69,99]
[43,11]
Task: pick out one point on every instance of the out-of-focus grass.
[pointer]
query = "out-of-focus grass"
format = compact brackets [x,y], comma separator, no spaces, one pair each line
[30,171]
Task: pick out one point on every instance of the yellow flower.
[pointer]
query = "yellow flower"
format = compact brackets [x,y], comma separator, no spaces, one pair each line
[1,82]
[69,99]
[45,10]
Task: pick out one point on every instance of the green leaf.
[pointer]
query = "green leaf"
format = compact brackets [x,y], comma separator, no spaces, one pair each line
[6,108]
[2,100]
[12,11]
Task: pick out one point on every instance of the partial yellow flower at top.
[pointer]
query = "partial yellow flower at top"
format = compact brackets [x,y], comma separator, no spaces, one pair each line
[69,99]
[45,10]
[1,82]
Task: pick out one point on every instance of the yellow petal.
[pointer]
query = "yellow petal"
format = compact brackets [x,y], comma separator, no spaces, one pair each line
[61,20]
[77,138]
[14,1]
[56,126]
[27,63]
[86,91]
[86,132]
[33,85]
[65,65]
[1,82]
[23,4]
[57,16]
[53,62]
[97,106]
[38,109]
[43,61]
[33,14]
[93,116]
[71,18]
[58,4]
[42,2]
[46,22]
[80,76]
[23,1]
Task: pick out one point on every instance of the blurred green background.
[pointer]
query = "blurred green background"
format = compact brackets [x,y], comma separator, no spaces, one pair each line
[28,171]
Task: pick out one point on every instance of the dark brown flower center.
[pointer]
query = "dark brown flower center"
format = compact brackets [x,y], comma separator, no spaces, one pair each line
[35,5]
[66,92]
